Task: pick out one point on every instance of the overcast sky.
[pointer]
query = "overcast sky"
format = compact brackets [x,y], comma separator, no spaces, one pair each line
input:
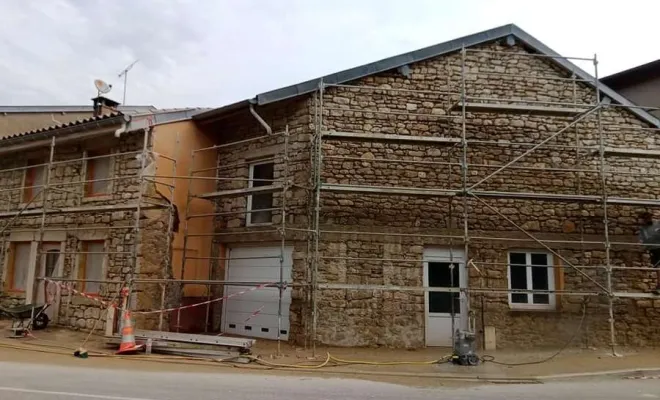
[214,52]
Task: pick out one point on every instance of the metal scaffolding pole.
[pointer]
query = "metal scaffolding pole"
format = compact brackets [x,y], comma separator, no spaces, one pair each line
[281,288]
[136,228]
[464,181]
[44,200]
[317,211]
[186,235]
[168,240]
[606,229]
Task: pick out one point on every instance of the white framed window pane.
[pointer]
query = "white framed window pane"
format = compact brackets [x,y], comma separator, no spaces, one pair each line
[540,278]
[262,174]
[518,276]
[93,266]
[20,267]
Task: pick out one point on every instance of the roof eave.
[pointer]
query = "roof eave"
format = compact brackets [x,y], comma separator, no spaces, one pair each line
[386,64]
[64,134]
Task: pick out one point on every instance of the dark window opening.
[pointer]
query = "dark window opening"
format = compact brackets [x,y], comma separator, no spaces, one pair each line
[261,175]
[443,275]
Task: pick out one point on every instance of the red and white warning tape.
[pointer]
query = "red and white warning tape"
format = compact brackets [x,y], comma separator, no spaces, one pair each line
[208,301]
[69,286]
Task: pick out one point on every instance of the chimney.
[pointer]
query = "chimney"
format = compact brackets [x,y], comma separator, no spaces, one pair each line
[103,105]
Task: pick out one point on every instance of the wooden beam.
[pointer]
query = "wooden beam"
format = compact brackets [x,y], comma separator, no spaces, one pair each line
[387,190]
[518,108]
[243,191]
[391,137]
[92,208]
[627,152]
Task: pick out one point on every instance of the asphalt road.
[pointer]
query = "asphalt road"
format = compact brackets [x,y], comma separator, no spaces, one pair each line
[20,381]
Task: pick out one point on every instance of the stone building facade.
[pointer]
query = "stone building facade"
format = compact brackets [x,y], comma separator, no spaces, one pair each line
[93,235]
[385,202]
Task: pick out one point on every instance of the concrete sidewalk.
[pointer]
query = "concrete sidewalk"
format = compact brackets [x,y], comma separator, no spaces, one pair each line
[377,363]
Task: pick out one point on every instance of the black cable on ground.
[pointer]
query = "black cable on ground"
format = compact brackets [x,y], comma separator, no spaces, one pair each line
[491,359]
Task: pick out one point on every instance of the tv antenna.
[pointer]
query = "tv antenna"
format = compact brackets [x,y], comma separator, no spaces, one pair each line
[124,73]
[101,87]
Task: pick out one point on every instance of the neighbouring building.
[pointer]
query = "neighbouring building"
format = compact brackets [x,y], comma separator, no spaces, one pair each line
[70,195]
[484,183]
[15,119]
[640,84]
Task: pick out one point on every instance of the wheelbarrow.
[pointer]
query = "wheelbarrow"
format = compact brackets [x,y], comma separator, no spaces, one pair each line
[33,314]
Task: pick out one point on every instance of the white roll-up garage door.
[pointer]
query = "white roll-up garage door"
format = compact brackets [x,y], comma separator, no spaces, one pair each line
[255,313]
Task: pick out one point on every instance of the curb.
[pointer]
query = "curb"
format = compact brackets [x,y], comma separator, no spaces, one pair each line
[622,373]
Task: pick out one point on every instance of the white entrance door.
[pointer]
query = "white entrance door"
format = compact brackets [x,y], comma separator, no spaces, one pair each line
[444,269]
[49,267]
[255,313]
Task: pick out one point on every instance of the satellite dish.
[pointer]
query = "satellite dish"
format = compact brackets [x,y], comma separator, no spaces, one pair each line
[102,87]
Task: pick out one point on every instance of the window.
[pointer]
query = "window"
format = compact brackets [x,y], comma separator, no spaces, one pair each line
[33,182]
[444,275]
[18,268]
[91,266]
[260,175]
[52,259]
[99,168]
[531,271]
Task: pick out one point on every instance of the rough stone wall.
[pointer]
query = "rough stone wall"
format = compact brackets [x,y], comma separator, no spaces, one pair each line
[233,173]
[387,318]
[119,240]
[389,228]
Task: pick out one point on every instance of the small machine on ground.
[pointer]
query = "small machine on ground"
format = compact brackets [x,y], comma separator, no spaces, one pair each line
[464,349]
[33,314]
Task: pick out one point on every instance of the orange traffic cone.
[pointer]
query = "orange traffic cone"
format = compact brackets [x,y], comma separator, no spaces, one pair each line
[127,344]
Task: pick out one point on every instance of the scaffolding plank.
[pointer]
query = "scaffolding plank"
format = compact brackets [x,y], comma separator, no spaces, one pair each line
[91,208]
[391,137]
[192,338]
[631,295]
[518,108]
[387,190]
[411,191]
[244,191]
[623,152]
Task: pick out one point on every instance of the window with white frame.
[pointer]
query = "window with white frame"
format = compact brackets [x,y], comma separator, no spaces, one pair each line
[533,271]
[259,205]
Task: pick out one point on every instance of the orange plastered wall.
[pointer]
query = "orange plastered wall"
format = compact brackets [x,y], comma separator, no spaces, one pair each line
[178,140]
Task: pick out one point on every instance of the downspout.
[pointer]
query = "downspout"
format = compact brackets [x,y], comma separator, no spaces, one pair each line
[261,120]
[120,130]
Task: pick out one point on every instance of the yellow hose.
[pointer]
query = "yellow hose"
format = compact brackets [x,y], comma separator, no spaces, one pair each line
[173,359]
[272,364]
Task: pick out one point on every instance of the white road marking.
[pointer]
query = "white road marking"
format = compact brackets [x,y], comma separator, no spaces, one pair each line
[69,394]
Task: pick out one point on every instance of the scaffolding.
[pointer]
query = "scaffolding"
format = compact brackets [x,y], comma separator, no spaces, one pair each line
[463,107]
[463,192]
[230,185]
[449,130]
[60,215]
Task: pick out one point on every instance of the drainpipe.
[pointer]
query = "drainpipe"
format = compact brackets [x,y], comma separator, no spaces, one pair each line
[120,130]
[261,120]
